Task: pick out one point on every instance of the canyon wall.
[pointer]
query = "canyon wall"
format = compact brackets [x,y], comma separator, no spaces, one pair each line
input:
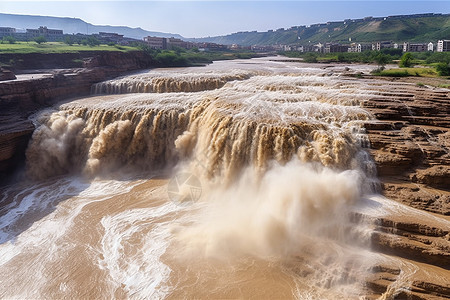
[410,145]
[21,97]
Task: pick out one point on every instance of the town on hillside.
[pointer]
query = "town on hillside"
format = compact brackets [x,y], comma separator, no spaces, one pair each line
[440,44]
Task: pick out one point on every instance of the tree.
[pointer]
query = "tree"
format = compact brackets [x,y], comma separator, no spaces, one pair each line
[68,40]
[170,59]
[443,69]
[382,59]
[40,40]
[310,57]
[92,41]
[9,39]
[397,53]
[406,60]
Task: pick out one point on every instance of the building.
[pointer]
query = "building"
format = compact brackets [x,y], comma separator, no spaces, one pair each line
[382,45]
[110,37]
[296,48]
[211,46]
[364,47]
[354,47]
[443,46]
[261,48]
[335,48]
[156,42]
[167,43]
[49,34]
[407,47]
[430,46]
[7,31]
[173,42]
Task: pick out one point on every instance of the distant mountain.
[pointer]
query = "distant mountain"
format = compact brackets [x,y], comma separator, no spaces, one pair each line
[74,25]
[415,28]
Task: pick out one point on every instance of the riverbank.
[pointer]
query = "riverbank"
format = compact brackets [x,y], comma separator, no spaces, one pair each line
[59,77]
[331,233]
[43,79]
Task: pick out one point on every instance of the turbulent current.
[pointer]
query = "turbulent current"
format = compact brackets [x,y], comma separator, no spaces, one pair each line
[243,179]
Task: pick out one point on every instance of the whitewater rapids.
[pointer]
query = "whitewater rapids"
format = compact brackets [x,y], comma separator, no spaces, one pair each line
[278,153]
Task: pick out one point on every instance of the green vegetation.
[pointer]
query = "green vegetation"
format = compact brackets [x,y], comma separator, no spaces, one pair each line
[8,39]
[433,64]
[413,29]
[180,57]
[380,57]
[443,69]
[310,57]
[391,73]
[57,47]
[436,57]
[405,60]
[68,40]
[91,41]
[162,58]
[40,40]
[405,72]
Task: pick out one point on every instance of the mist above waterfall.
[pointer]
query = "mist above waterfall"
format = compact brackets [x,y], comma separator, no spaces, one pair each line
[277,151]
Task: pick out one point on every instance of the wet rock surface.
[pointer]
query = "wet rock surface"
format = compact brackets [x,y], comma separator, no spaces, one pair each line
[28,93]
[410,143]
[6,75]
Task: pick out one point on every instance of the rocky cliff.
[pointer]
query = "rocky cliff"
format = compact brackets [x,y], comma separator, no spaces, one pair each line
[23,96]
[119,60]
[410,143]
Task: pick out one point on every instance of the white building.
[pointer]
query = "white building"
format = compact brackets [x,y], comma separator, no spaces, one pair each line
[405,47]
[430,46]
[443,46]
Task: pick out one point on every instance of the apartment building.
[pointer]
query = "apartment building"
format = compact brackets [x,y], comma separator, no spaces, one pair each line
[156,42]
[354,47]
[173,42]
[49,34]
[334,48]
[443,46]
[408,47]
[7,31]
[382,45]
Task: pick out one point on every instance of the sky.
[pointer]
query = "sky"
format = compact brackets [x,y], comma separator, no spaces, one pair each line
[211,18]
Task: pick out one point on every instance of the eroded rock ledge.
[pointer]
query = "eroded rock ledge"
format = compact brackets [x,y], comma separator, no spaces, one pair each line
[411,145]
[23,96]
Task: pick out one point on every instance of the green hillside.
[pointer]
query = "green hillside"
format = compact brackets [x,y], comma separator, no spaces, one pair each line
[414,28]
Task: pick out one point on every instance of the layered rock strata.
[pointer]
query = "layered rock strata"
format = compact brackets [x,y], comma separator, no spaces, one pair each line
[410,143]
[21,97]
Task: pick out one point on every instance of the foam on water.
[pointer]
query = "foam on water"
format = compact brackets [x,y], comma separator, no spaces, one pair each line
[280,154]
[38,223]
[141,272]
